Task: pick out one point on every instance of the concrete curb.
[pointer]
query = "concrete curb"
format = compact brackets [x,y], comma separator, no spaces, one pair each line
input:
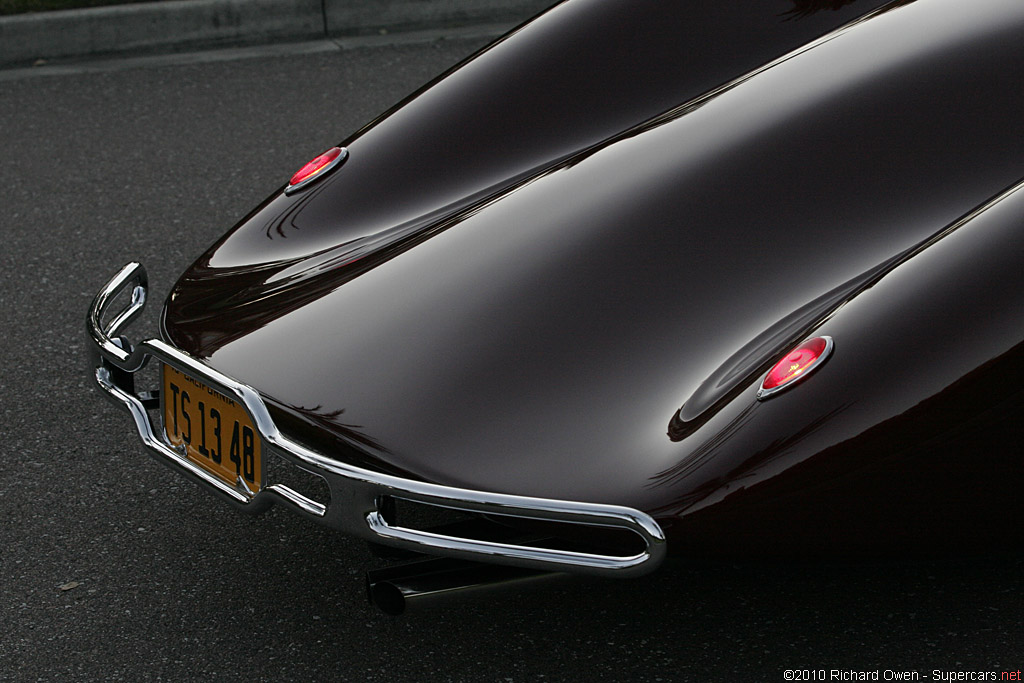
[356,17]
[183,25]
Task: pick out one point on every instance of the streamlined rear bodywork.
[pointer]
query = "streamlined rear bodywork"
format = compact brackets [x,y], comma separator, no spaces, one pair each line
[545,291]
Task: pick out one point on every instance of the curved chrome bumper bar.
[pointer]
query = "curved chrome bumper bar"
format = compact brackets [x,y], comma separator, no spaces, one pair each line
[356,494]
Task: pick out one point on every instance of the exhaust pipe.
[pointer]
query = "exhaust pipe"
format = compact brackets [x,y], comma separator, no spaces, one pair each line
[395,589]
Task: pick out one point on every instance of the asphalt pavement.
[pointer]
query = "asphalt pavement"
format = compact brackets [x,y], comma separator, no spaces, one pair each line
[177,26]
[113,569]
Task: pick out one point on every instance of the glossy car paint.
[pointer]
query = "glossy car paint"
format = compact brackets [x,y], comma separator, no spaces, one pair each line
[563,269]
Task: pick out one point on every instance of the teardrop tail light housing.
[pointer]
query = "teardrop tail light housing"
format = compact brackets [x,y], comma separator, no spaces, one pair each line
[795,366]
[316,168]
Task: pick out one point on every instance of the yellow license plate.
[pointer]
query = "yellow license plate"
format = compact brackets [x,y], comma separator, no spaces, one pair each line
[215,430]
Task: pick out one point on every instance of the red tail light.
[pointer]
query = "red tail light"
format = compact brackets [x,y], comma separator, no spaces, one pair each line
[796,365]
[317,168]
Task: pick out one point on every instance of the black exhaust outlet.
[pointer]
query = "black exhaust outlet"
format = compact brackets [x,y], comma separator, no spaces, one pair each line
[395,589]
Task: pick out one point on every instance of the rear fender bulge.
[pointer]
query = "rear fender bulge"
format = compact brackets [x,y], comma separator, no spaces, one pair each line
[915,410]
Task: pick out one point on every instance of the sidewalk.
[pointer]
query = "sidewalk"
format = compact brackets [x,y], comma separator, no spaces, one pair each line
[184,25]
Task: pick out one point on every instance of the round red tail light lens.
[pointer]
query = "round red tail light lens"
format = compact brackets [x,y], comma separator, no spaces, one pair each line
[796,365]
[317,168]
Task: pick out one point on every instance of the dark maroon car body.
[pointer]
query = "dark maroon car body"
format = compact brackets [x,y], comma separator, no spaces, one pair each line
[563,269]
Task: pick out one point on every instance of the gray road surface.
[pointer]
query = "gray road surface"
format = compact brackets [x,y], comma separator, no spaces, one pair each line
[111,569]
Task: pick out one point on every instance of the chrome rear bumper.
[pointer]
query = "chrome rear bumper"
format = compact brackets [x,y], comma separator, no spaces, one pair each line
[356,494]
